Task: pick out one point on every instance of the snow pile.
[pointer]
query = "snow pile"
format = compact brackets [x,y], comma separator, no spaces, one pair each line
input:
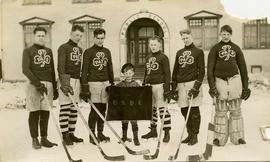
[12,95]
[260,81]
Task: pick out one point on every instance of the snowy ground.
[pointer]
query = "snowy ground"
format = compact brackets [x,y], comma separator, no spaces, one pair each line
[15,141]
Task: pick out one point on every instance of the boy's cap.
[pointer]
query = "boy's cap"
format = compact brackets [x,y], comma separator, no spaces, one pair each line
[126,67]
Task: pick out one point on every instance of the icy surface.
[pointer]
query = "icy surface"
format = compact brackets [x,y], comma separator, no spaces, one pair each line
[15,141]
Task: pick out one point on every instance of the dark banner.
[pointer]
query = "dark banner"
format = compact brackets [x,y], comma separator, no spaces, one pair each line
[130,103]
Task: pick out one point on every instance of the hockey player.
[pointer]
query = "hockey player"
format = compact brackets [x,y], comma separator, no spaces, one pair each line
[38,67]
[158,75]
[187,77]
[97,74]
[225,61]
[69,68]
[128,71]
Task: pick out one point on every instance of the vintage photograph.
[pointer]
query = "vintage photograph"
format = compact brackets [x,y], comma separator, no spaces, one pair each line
[134,80]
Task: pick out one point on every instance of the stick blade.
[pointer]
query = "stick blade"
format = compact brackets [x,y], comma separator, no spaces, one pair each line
[151,157]
[142,152]
[80,160]
[113,158]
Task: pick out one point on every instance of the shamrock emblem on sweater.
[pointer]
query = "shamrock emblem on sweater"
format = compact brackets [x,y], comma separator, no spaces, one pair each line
[42,58]
[226,52]
[185,59]
[76,55]
[100,60]
[151,65]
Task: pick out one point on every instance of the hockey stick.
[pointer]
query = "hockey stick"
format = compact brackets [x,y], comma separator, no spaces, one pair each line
[155,155]
[209,145]
[142,152]
[171,158]
[111,158]
[59,132]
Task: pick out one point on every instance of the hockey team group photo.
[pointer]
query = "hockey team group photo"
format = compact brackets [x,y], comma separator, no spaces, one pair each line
[77,103]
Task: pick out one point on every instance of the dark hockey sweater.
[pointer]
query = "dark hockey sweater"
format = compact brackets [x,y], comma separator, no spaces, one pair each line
[226,60]
[69,59]
[38,64]
[132,83]
[157,70]
[189,65]
[97,65]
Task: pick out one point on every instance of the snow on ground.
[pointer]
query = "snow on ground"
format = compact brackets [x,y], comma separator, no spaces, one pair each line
[15,141]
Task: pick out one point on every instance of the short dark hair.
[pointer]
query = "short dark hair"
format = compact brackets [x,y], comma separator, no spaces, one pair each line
[226,28]
[38,28]
[155,37]
[127,67]
[185,31]
[98,31]
[77,27]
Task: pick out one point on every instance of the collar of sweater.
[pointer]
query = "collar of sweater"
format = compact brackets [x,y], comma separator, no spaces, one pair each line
[189,46]
[97,47]
[224,43]
[156,53]
[72,43]
[38,46]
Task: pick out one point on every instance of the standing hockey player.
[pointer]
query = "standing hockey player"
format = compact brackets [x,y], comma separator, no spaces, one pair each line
[97,74]
[69,68]
[128,71]
[38,67]
[158,75]
[187,77]
[225,61]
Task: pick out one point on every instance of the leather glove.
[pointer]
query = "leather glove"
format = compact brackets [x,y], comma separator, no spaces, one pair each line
[167,96]
[65,84]
[213,92]
[67,89]
[85,94]
[42,89]
[174,95]
[193,92]
[245,94]
[55,94]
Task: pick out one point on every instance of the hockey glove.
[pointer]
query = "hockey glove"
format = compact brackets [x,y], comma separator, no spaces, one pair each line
[213,92]
[42,89]
[174,95]
[85,94]
[67,90]
[167,96]
[245,94]
[174,86]
[55,94]
[193,92]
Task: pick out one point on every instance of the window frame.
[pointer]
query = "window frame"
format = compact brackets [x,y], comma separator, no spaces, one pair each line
[257,23]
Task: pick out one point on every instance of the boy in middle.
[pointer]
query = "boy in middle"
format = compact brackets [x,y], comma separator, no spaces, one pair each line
[128,71]
[158,75]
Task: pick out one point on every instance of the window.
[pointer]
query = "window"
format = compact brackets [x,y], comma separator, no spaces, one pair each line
[89,23]
[36,2]
[28,27]
[256,34]
[85,1]
[204,28]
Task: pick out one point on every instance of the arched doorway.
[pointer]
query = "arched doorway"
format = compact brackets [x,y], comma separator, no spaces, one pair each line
[134,34]
[138,33]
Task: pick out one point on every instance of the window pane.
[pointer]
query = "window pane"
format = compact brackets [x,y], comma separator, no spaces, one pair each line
[250,36]
[265,36]
[150,31]
[211,37]
[197,36]
[195,22]
[210,22]
[142,32]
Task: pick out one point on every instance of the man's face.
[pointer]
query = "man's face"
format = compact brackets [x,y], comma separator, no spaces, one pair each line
[99,39]
[154,45]
[187,39]
[129,74]
[76,36]
[225,36]
[39,37]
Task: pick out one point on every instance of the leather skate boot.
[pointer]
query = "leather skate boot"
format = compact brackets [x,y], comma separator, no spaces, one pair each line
[91,140]
[66,139]
[135,138]
[241,141]
[75,139]
[193,140]
[216,142]
[151,134]
[124,137]
[187,139]
[166,137]
[35,144]
[46,143]
[101,137]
